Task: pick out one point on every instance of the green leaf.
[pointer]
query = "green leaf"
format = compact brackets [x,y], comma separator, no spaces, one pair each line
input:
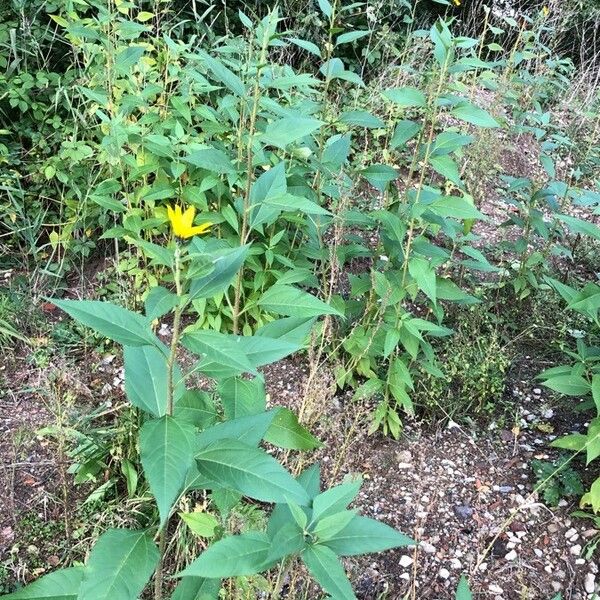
[446,167]
[112,321]
[159,302]
[571,385]
[574,442]
[474,115]
[327,527]
[335,499]
[201,523]
[60,585]
[210,159]
[146,379]
[249,470]
[288,540]
[223,74]
[197,588]
[327,570]
[364,536]
[196,407]
[286,432]
[293,302]
[249,429]
[456,208]
[580,226]
[272,184]
[119,566]
[596,392]
[233,556]
[421,271]
[166,450]
[288,130]
[380,176]
[227,263]
[309,46]
[351,36]
[404,131]
[263,350]
[593,440]
[292,329]
[325,7]
[361,118]
[242,397]
[127,58]
[222,356]
[463,592]
[406,97]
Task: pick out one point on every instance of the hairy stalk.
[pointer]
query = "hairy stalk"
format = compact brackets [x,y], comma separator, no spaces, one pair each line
[162,540]
[244,232]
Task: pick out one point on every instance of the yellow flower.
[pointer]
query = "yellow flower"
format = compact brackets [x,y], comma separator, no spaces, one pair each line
[456,2]
[545,11]
[182,222]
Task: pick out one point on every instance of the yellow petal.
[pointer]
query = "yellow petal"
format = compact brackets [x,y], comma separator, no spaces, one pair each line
[188,216]
[199,229]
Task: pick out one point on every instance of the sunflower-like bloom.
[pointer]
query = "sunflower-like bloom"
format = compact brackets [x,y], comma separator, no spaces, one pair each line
[182,222]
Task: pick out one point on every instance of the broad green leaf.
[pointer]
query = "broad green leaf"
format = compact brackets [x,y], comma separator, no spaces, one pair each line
[242,397]
[201,523]
[380,176]
[222,356]
[305,45]
[127,58]
[159,302]
[580,226]
[262,350]
[574,442]
[227,263]
[272,184]
[248,429]
[446,167]
[291,203]
[335,499]
[288,130]
[233,556]
[120,565]
[294,302]
[325,567]
[288,540]
[404,131]
[292,329]
[166,450]
[406,97]
[325,7]
[571,385]
[146,379]
[223,74]
[593,440]
[596,392]
[422,272]
[592,497]
[197,588]
[456,208]
[364,536]
[59,585]
[351,36]
[196,407]
[249,470]
[361,118]
[474,115]
[286,432]
[328,527]
[112,321]
[463,592]
[210,159]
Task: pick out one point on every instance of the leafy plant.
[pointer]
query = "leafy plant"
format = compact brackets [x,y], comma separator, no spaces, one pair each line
[190,440]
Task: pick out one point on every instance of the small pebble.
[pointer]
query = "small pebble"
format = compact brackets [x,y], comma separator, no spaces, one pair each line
[405,561]
[444,573]
[512,555]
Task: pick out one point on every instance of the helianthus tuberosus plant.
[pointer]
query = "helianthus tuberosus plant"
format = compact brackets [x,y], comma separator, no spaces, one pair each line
[192,439]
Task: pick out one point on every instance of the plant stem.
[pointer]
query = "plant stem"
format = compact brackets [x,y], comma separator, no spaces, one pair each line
[162,540]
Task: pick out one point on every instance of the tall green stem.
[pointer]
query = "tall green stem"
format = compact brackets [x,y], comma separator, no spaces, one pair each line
[162,541]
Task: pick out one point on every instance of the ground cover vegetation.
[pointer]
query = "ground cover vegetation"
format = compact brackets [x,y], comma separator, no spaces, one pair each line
[389,208]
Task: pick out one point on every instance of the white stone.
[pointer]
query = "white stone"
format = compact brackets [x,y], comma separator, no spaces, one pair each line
[589,583]
[444,573]
[512,555]
[538,552]
[570,533]
[495,589]
[455,563]
[405,561]
[575,550]
[428,548]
